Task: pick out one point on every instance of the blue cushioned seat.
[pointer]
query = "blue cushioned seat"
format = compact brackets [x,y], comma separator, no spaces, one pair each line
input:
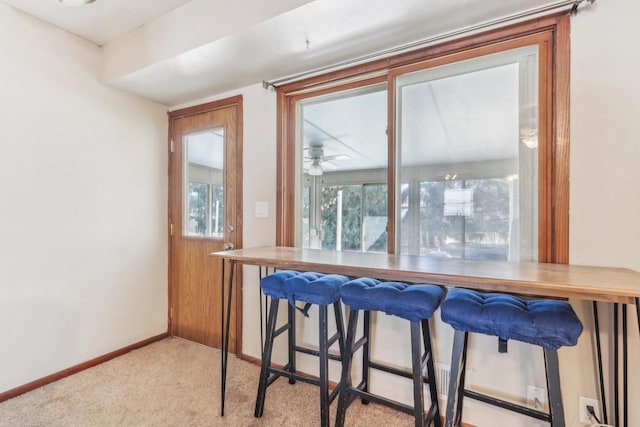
[411,302]
[314,288]
[548,323]
[273,284]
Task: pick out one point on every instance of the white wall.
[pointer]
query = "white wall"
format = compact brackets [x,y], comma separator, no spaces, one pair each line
[605,153]
[83,178]
[604,230]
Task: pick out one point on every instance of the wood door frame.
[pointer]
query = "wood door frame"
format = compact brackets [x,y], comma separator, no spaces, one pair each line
[236,101]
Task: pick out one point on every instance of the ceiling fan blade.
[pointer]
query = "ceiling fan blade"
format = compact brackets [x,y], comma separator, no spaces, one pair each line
[328,165]
[336,157]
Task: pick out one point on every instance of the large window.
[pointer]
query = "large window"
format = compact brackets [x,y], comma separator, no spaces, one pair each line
[467,150]
[455,151]
[342,164]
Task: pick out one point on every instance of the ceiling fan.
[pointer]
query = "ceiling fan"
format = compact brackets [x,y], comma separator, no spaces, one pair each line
[315,160]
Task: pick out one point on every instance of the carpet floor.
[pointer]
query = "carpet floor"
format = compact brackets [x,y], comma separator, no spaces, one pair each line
[174,382]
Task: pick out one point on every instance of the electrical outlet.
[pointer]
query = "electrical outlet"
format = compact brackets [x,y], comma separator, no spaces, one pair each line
[536,397]
[585,417]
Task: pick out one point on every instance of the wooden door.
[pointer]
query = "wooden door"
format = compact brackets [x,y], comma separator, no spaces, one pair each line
[205,215]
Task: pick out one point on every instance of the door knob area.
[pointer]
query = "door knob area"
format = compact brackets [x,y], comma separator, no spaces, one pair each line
[227,246]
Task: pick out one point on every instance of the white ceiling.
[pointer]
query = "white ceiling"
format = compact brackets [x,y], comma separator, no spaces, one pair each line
[337,30]
[101,21]
[249,53]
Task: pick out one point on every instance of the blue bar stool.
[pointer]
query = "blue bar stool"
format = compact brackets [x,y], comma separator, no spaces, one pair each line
[415,303]
[310,288]
[550,324]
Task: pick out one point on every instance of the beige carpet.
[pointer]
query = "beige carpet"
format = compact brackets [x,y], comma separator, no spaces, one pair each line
[176,383]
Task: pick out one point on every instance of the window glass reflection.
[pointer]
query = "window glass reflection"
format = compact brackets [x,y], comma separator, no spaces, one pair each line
[204,184]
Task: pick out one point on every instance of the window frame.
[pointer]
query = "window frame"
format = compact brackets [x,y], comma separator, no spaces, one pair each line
[551,35]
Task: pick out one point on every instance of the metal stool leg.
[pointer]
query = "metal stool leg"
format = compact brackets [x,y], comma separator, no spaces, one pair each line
[616,366]
[291,316]
[625,369]
[456,382]
[347,358]
[638,312]
[416,365]
[366,348]
[266,358]
[556,409]
[340,326]
[337,309]
[603,395]
[324,366]
[431,373]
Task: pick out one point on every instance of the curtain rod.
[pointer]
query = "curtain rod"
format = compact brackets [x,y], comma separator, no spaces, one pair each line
[563,5]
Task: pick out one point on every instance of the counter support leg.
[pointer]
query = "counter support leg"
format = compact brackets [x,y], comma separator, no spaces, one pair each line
[225,335]
[616,365]
[638,312]
[625,368]
[222,367]
[260,276]
[596,328]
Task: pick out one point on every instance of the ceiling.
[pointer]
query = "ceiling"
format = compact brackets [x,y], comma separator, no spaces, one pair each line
[99,22]
[271,39]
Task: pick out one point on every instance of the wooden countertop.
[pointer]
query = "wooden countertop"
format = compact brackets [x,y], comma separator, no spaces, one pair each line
[553,280]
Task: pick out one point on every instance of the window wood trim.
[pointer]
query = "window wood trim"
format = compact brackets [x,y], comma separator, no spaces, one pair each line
[551,33]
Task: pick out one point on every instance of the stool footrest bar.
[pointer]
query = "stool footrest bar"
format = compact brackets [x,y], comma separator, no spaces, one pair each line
[280,330]
[277,373]
[514,407]
[272,379]
[331,341]
[314,352]
[356,346]
[280,373]
[425,358]
[334,393]
[431,414]
[395,371]
[381,400]
[352,396]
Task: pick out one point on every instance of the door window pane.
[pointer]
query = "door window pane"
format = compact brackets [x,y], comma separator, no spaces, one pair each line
[204,179]
[197,208]
[467,134]
[217,210]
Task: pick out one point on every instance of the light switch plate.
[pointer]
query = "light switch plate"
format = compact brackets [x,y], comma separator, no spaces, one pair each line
[262,209]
